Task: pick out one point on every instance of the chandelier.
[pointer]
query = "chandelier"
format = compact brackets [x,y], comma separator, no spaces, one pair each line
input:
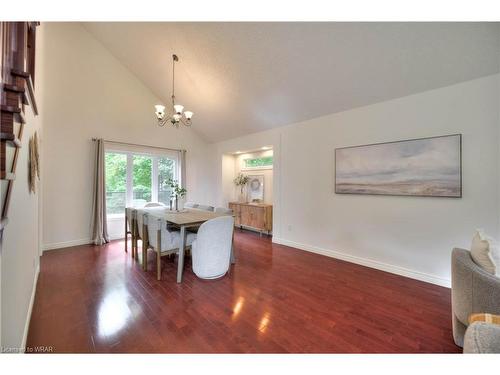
[178,114]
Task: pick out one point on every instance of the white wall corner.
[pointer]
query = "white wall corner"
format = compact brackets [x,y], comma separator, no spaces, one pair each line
[30,308]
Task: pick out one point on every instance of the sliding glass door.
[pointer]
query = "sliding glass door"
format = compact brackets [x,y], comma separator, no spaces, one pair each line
[135,178]
[142,176]
[116,183]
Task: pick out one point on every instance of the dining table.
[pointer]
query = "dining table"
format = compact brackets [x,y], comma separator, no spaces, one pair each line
[181,219]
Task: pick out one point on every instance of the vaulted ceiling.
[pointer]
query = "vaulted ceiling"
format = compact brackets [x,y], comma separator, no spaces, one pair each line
[241,78]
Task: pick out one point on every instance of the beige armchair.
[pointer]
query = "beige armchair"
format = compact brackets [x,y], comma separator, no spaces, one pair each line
[473,290]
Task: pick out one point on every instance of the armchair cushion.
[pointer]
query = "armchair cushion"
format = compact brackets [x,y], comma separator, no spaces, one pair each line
[482,337]
[486,253]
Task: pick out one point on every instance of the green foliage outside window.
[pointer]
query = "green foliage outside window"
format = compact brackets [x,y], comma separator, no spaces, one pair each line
[142,169]
[116,182]
[266,161]
[141,177]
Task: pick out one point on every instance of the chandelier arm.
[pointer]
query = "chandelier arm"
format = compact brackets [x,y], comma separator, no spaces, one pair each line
[174,58]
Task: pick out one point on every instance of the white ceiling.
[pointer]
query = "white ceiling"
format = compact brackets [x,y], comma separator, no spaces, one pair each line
[240,78]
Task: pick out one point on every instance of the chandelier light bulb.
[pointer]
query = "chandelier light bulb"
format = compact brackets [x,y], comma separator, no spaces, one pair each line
[177,117]
[178,108]
[160,111]
[188,115]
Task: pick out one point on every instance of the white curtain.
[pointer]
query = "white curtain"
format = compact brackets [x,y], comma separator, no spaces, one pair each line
[99,225]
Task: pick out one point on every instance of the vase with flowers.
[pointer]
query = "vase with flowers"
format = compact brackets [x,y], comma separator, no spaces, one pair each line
[241,181]
[177,194]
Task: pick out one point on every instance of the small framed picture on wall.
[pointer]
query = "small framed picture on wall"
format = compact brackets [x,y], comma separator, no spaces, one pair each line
[256,188]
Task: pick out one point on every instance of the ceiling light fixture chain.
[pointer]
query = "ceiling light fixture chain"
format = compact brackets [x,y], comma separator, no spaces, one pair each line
[179,115]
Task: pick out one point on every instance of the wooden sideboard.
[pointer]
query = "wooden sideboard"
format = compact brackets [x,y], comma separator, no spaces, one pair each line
[253,215]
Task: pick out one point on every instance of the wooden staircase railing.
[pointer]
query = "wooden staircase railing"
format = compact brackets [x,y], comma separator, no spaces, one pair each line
[18,41]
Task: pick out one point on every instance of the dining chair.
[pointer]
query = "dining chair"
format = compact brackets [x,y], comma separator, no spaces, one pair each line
[223,210]
[161,240]
[190,205]
[204,207]
[154,204]
[211,250]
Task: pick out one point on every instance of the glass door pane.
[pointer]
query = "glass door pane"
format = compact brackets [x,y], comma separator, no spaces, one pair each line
[116,182]
[166,171]
[141,179]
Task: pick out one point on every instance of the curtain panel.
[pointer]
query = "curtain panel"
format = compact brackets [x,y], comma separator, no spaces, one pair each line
[99,222]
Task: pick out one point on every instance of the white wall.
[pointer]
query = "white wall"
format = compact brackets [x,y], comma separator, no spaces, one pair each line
[228,190]
[91,94]
[407,235]
[21,244]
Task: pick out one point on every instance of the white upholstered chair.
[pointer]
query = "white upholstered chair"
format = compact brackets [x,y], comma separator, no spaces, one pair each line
[190,205]
[223,210]
[154,204]
[211,251]
[204,207]
[161,240]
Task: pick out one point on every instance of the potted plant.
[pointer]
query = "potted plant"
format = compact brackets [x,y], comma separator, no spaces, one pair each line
[240,181]
[177,192]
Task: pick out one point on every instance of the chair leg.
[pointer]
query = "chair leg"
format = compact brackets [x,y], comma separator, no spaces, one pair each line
[126,233]
[144,258]
[134,238]
[158,254]
[145,245]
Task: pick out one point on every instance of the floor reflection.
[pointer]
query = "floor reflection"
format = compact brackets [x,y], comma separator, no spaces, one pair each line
[264,322]
[237,307]
[113,312]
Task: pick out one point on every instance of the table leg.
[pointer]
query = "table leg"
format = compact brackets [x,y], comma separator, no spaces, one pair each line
[145,245]
[126,231]
[233,258]
[158,252]
[180,265]
[134,238]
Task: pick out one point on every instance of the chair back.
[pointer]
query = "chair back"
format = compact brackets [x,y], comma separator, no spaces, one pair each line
[205,208]
[190,205]
[154,204]
[472,288]
[154,223]
[211,251]
[223,210]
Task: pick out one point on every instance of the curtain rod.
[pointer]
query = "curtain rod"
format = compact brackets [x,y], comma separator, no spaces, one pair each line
[139,145]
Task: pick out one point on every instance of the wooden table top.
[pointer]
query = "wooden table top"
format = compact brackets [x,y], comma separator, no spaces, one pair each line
[185,217]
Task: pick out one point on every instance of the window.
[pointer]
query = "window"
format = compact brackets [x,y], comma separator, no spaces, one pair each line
[116,182]
[265,162]
[141,179]
[166,168]
[135,178]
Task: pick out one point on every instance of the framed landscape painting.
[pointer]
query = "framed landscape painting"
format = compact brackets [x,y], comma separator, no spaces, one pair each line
[426,167]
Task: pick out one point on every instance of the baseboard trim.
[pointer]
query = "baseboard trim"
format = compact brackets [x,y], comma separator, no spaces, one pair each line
[30,308]
[417,275]
[60,245]
[85,241]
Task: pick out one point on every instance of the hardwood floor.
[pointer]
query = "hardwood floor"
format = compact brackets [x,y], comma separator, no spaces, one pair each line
[275,299]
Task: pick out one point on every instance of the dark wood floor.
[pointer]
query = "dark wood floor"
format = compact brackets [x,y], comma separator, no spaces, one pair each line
[275,299]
